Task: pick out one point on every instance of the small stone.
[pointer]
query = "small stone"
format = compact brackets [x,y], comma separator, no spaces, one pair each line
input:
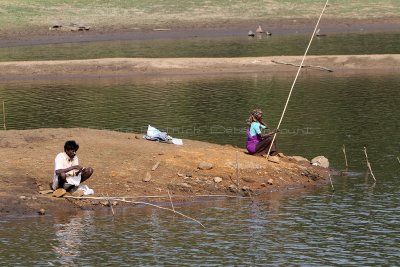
[280,154]
[273,159]
[217,180]
[22,197]
[155,166]
[105,203]
[259,29]
[270,181]
[299,159]
[185,185]
[320,161]
[180,174]
[114,203]
[248,179]
[263,184]
[33,198]
[233,188]
[78,193]
[59,192]
[42,211]
[147,178]
[205,166]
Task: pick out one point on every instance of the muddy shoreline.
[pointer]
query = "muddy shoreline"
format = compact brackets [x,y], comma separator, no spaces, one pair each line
[42,35]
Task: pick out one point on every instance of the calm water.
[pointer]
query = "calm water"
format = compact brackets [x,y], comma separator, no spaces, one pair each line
[332,44]
[356,225]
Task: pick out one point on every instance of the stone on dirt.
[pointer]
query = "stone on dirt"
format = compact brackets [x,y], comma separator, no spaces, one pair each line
[248,179]
[155,166]
[270,181]
[217,180]
[320,161]
[299,159]
[42,211]
[233,188]
[59,192]
[147,178]
[205,166]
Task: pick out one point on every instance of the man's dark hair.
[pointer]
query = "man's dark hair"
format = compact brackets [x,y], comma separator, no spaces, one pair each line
[71,144]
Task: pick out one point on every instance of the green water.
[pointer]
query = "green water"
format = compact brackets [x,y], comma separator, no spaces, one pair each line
[357,225]
[333,44]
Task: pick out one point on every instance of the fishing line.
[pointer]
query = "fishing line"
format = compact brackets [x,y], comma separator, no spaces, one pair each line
[297,75]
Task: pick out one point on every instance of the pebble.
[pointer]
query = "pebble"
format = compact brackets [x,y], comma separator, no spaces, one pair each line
[233,188]
[248,180]
[270,181]
[205,166]
[217,180]
[42,211]
[147,178]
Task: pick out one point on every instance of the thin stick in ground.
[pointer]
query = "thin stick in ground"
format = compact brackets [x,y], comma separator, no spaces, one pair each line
[110,204]
[237,170]
[4,115]
[345,156]
[170,199]
[330,179]
[368,164]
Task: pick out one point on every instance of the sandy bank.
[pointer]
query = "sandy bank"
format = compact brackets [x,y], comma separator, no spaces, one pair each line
[122,160]
[132,67]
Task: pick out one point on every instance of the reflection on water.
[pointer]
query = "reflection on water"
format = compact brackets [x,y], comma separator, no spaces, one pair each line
[70,237]
[314,228]
[356,225]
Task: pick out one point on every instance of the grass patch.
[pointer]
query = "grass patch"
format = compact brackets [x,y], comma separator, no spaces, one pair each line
[139,13]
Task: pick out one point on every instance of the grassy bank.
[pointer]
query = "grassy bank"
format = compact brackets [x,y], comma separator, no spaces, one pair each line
[21,14]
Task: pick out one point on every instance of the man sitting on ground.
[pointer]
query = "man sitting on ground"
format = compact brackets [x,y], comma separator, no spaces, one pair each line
[68,174]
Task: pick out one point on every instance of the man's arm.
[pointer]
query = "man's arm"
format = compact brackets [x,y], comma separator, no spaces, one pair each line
[64,171]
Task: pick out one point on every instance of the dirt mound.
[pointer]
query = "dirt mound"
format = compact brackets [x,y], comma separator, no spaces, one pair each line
[126,165]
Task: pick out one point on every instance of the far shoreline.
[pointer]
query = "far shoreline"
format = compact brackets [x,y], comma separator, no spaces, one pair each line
[125,68]
[40,35]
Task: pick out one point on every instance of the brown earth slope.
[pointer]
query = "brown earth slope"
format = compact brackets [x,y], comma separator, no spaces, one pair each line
[121,162]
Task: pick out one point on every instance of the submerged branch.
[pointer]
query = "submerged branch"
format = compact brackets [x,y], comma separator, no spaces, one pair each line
[303,66]
[138,202]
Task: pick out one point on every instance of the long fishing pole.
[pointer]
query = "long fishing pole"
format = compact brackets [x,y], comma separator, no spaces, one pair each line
[297,75]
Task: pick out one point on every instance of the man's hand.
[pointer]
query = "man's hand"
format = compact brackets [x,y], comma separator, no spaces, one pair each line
[79,168]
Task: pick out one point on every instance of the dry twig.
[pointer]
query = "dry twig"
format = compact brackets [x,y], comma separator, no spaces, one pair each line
[140,202]
[4,116]
[170,199]
[368,164]
[345,157]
